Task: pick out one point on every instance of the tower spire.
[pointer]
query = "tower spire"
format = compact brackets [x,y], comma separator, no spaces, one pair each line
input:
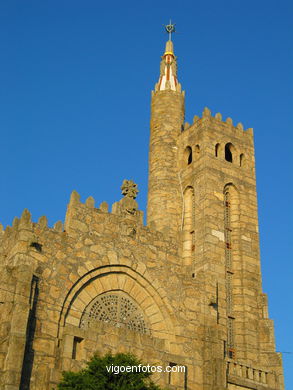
[168,69]
[167,118]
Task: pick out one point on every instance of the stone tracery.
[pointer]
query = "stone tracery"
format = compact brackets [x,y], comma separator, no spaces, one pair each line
[117,309]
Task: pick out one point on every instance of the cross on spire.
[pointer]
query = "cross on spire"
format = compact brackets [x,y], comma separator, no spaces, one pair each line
[170,28]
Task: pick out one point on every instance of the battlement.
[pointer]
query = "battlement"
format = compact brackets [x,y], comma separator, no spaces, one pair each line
[123,208]
[29,242]
[79,214]
[217,120]
[210,135]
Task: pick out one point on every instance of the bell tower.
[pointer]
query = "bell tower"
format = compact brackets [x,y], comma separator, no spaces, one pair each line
[202,191]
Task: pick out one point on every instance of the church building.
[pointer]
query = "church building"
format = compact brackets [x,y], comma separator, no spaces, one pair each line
[183,290]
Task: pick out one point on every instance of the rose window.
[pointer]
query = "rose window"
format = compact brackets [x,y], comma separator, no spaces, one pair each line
[116,309]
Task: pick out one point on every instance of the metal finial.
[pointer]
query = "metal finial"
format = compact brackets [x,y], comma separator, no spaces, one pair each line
[170,28]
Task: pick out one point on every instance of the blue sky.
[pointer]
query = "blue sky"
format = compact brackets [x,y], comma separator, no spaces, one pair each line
[76,78]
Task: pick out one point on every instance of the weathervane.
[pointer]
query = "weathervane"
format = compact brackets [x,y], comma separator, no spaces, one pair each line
[170,28]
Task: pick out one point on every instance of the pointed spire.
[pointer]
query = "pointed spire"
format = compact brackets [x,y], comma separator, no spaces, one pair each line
[168,70]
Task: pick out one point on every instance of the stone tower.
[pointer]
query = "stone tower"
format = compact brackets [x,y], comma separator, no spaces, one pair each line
[185,290]
[202,188]
[167,117]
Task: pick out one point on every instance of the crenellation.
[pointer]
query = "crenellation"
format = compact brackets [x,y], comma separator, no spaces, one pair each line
[218,116]
[249,132]
[104,207]
[74,198]
[229,121]
[239,126]
[206,113]
[25,221]
[8,232]
[15,223]
[90,202]
[196,137]
[58,226]
[43,222]
[226,127]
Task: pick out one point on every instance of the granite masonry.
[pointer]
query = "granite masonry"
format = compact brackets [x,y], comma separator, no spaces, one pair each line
[185,289]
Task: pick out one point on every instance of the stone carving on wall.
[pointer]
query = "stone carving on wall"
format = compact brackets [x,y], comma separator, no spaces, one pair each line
[127,205]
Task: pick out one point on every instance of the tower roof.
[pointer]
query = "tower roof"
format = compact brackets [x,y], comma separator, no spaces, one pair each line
[168,70]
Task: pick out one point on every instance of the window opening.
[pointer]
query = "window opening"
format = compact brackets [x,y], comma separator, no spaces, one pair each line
[188,155]
[76,348]
[217,150]
[228,152]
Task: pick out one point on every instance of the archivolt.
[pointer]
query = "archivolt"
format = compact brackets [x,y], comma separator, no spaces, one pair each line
[152,301]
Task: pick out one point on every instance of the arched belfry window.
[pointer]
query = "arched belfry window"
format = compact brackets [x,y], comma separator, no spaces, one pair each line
[117,309]
[229,152]
[188,155]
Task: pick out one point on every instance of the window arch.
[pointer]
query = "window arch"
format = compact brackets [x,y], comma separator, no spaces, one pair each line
[229,149]
[242,160]
[188,155]
[197,149]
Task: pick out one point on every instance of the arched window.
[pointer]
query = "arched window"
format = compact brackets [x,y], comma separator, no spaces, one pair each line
[228,152]
[188,226]
[217,147]
[197,149]
[188,155]
[242,160]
